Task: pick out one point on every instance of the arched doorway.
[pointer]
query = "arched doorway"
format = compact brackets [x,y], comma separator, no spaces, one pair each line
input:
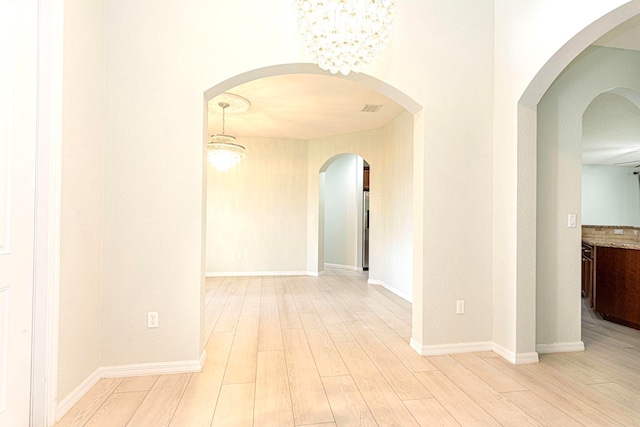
[534,305]
[343,215]
[412,141]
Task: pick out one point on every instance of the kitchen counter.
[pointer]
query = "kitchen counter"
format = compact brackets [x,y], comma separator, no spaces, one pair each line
[611,272]
[616,286]
[606,236]
[603,243]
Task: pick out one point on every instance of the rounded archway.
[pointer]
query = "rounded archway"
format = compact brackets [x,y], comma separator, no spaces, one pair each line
[343,212]
[543,322]
[406,130]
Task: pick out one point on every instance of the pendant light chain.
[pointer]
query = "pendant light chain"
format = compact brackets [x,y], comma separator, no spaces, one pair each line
[223,152]
[224,106]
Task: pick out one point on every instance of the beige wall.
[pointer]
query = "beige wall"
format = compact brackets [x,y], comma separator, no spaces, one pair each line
[80,329]
[256,212]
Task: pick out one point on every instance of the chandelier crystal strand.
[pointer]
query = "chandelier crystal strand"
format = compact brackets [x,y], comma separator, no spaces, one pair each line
[345,35]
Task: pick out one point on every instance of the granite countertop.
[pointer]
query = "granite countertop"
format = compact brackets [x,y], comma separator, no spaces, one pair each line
[612,236]
[609,244]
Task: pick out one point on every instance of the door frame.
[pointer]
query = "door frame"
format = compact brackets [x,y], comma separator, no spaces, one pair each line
[44,378]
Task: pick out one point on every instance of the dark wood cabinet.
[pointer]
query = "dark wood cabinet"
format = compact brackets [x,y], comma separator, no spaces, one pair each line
[617,290]
[365,178]
[588,273]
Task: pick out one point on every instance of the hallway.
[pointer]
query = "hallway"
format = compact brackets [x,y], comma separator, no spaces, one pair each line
[333,351]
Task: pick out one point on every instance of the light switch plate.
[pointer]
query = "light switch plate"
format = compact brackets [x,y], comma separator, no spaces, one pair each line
[573,221]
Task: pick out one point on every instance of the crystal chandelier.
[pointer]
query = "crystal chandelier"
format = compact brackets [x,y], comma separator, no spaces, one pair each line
[223,152]
[345,35]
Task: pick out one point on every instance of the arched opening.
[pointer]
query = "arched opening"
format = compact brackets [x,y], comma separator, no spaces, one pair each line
[405,129]
[548,297]
[610,156]
[344,213]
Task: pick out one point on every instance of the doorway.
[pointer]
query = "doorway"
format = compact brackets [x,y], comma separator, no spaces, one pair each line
[346,213]
[558,127]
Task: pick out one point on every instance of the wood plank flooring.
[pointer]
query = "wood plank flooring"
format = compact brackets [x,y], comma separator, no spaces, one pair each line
[333,351]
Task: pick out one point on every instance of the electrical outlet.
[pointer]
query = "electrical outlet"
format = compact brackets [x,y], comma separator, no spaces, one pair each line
[460,306]
[152,319]
[618,231]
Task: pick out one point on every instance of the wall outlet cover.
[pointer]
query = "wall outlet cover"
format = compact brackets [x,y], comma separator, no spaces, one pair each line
[152,319]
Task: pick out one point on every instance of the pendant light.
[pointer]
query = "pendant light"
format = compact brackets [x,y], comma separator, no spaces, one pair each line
[345,35]
[223,152]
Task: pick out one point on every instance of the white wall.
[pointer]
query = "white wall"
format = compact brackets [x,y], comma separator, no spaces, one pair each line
[341,211]
[559,184]
[534,41]
[322,152]
[454,82]
[389,154]
[610,195]
[81,215]
[466,81]
[262,208]
[256,212]
[396,215]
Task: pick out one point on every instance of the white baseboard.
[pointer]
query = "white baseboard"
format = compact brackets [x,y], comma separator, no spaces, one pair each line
[416,346]
[516,358]
[77,394]
[344,267]
[316,273]
[127,371]
[438,350]
[257,273]
[561,347]
[527,358]
[154,368]
[504,353]
[390,289]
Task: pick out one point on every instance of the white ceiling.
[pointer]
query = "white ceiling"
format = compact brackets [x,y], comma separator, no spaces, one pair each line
[611,131]
[611,123]
[302,106]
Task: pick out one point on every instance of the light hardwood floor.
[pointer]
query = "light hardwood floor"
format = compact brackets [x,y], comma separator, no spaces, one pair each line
[333,351]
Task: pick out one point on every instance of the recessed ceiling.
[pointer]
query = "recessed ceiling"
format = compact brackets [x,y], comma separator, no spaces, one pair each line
[611,123]
[611,131]
[303,106]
